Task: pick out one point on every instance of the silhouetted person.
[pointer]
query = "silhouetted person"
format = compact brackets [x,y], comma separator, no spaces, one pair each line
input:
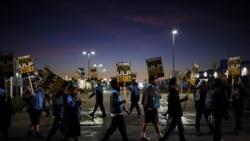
[116,113]
[174,111]
[151,103]
[99,99]
[135,97]
[240,92]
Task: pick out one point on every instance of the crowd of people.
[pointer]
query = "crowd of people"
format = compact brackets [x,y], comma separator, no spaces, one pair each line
[210,98]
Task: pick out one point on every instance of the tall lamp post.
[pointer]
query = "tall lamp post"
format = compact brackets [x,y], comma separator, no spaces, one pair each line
[88,53]
[97,66]
[173,32]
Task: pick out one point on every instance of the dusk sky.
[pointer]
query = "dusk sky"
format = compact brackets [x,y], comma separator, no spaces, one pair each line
[56,32]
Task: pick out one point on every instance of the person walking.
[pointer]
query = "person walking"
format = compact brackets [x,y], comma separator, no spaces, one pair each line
[151,103]
[72,113]
[135,97]
[240,92]
[58,115]
[200,93]
[174,111]
[35,106]
[5,110]
[99,99]
[219,108]
[116,113]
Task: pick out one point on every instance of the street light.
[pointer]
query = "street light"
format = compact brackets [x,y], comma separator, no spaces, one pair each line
[173,32]
[88,53]
[97,66]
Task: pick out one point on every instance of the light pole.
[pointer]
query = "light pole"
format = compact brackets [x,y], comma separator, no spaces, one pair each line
[173,32]
[88,53]
[102,72]
[97,66]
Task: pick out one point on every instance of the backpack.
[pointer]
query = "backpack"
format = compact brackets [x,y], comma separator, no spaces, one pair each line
[209,100]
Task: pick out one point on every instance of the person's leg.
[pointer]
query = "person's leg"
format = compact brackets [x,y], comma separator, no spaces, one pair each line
[197,121]
[170,129]
[131,107]
[53,129]
[103,110]
[111,129]
[217,128]
[122,128]
[181,130]
[138,108]
[145,124]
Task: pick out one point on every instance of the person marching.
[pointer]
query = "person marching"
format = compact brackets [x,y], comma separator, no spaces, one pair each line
[35,106]
[135,97]
[5,110]
[99,99]
[174,111]
[241,91]
[151,103]
[72,113]
[58,115]
[200,93]
[116,113]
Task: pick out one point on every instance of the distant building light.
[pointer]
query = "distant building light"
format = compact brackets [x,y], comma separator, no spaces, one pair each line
[205,74]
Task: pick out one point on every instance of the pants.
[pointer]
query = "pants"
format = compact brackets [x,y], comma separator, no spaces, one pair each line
[58,123]
[217,127]
[102,108]
[176,121]
[198,119]
[119,122]
[136,105]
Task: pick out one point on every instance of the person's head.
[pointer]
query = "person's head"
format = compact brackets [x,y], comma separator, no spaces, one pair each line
[173,82]
[114,84]
[72,89]
[203,83]
[217,82]
[98,82]
[244,80]
[35,83]
[152,79]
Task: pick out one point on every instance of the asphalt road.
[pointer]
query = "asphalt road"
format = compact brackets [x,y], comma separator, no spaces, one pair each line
[95,129]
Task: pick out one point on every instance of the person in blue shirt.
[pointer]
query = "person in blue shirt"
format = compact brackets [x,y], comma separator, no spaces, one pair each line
[116,113]
[72,113]
[35,106]
[58,114]
[135,97]
[99,99]
[151,103]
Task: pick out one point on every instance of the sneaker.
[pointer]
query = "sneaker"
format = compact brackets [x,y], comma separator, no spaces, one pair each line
[91,115]
[29,134]
[145,139]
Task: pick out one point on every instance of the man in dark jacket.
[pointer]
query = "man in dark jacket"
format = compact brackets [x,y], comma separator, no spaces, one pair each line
[219,108]
[200,93]
[99,99]
[135,97]
[174,111]
[116,113]
[241,91]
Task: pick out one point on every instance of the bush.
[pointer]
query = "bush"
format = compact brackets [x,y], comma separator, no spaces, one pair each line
[18,103]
